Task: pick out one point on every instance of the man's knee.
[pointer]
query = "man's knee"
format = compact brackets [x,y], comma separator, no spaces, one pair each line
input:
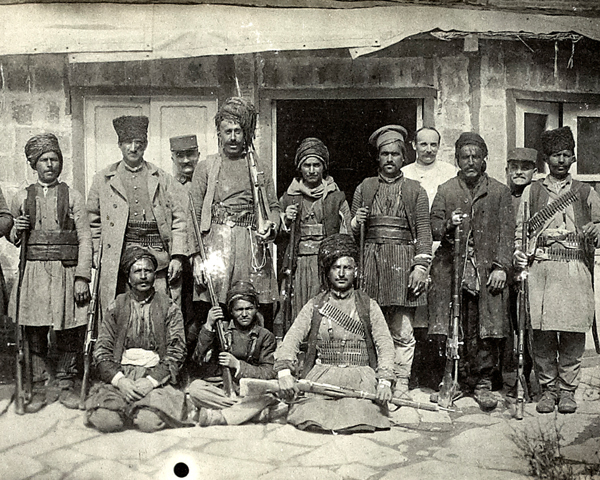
[148,421]
[106,420]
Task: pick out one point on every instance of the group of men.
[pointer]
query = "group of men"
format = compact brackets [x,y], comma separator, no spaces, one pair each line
[368,284]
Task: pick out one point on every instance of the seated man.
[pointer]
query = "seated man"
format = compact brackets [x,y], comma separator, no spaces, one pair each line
[349,345]
[250,356]
[139,352]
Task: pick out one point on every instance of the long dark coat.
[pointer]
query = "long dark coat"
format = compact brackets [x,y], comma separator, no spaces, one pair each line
[492,223]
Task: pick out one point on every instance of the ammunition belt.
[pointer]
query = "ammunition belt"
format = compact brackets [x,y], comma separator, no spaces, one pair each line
[342,319]
[233,215]
[342,353]
[145,234]
[542,216]
[388,229]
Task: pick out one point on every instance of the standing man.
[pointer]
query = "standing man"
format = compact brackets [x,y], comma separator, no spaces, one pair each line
[397,250]
[222,192]
[185,155]
[132,202]
[483,208]
[315,207]
[430,173]
[563,232]
[55,290]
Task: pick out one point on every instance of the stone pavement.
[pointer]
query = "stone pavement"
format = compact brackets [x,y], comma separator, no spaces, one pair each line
[467,444]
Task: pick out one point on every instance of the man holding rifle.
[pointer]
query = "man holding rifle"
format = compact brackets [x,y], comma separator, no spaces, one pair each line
[563,230]
[237,214]
[54,290]
[483,208]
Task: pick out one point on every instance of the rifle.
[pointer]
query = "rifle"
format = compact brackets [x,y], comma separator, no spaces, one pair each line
[450,387]
[254,386]
[361,255]
[24,373]
[259,194]
[223,342]
[91,327]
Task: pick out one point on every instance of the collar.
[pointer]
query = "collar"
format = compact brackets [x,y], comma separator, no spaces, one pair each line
[48,185]
[298,187]
[133,169]
[391,180]
[252,331]
[342,295]
[550,180]
[183,179]
[144,302]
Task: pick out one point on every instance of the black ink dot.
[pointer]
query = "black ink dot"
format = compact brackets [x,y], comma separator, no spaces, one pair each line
[181,470]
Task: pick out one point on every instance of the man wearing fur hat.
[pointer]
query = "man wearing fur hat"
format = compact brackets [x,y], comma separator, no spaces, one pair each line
[315,208]
[132,202]
[563,230]
[55,291]
[222,192]
[397,250]
[482,207]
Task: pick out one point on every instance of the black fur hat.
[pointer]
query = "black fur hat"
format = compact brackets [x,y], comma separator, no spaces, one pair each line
[557,140]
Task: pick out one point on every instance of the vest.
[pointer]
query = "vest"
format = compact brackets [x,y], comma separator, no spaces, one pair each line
[158,312]
[538,198]
[410,192]
[363,305]
[60,244]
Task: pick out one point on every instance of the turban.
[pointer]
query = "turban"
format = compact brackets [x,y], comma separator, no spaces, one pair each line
[183,143]
[241,290]
[130,128]
[40,144]
[554,141]
[471,138]
[133,254]
[333,248]
[312,147]
[522,155]
[241,111]
[388,134]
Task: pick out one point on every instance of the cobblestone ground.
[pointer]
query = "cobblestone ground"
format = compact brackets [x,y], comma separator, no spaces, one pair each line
[467,444]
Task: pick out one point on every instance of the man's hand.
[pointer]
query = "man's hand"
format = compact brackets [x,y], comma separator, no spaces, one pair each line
[264,237]
[129,389]
[496,281]
[81,291]
[361,215]
[22,224]
[226,359]
[291,212]
[592,231]
[143,386]
[384,393]
[215,314]
[456,218]
[198,271]
[288,388]
[417,280]
[520,259]
[175,269]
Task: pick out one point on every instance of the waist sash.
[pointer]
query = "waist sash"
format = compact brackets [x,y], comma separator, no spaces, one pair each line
[52,245]
[388,229]
[145,234]
[233,215]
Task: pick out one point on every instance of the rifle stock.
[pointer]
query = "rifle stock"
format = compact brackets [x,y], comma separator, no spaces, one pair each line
[254,386]
[91,327]
[23,367]
[450,386]
[224,344]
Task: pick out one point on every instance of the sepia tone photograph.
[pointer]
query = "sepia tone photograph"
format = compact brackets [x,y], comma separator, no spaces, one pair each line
[299,239]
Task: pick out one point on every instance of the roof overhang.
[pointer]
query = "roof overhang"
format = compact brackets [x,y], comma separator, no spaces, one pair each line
[120,32]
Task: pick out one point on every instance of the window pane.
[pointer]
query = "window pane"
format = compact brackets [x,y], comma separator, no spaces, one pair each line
[588,145]
[535,124]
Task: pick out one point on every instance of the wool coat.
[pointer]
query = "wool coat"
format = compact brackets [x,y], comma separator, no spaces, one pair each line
[491,222]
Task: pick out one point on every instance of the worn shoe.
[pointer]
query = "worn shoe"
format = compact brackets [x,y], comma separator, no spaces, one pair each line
[485,398]
[547,403]
[566,402]
[69,399]
[207,417]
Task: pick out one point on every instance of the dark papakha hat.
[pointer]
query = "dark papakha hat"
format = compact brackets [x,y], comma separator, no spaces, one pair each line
[133,254]
[183,143]
[332,248]
[130,128]
[557,140]
[522,155]
[40,144]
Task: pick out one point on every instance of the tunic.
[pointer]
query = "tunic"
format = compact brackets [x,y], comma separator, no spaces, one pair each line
[311,231]
[388,264]
[556,286]
[345,414]
[47,288]
[222,196]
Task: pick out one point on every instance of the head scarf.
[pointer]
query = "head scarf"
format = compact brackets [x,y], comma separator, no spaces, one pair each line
[239,110]
[133,254]
[333,248]
[388,134]
[312,147]
[554,141]
[470,138]
[241,290]
[130,128]
[40,144]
